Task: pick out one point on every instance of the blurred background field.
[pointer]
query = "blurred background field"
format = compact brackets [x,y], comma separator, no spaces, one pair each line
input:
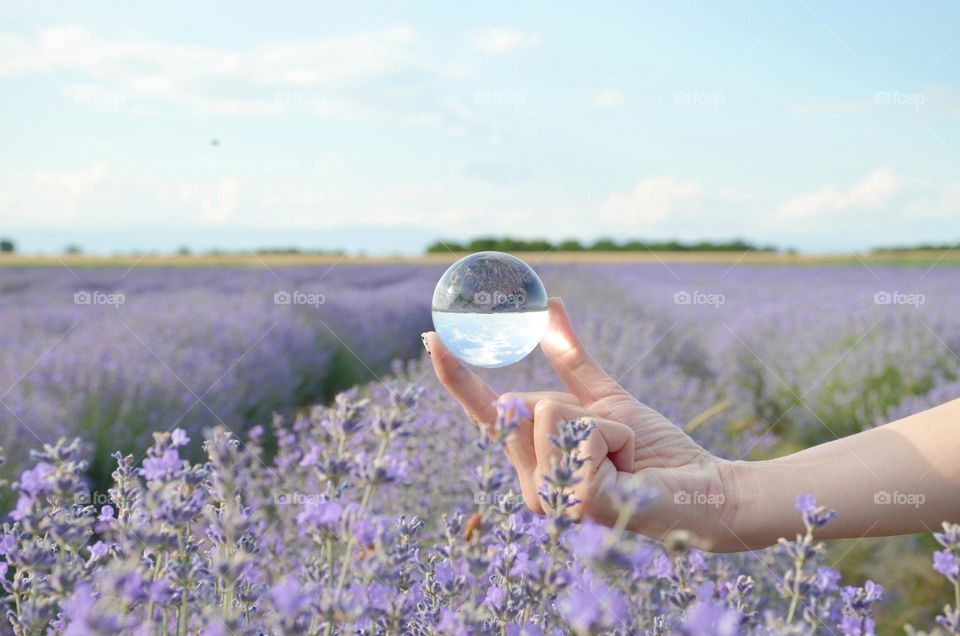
[925,258]
[755,360]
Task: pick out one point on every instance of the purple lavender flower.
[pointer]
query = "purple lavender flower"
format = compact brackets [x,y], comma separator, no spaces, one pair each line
[7,543]
[950,537]
[495,597]
[945,562]
[37,481]
[813,515]
[179,437]
[510,410]
[23,508]
[322,514]
[826,579]
[528,629]
[590,605]
[950,619]
[705,618]
[99,550]
[857,607]
[662,567]
[159,468]
[856,626]
[287,595]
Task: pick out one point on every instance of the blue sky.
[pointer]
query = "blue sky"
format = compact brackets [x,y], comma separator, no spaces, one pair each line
[380,127]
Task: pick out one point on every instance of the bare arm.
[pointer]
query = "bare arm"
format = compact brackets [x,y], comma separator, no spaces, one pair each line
[900,478]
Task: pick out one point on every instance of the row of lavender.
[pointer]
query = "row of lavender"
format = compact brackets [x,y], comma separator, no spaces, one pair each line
[111,355]
[804,353]
[369,521]
[358,523]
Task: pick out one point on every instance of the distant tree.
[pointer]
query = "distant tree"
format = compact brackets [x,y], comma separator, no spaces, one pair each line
[636,246]
[7,246]
[72,248]
[604,245]
[184,251]
[484,243]
[507,244]
[922,247]
[278,250]
[569,245]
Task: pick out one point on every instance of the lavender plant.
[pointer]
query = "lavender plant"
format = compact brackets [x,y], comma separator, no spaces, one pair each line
[327,538]
[383,511]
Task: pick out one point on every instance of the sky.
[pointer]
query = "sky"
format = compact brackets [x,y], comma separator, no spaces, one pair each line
[381,127]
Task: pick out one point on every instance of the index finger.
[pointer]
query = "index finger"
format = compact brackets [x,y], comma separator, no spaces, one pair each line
[577,370]
[475,395]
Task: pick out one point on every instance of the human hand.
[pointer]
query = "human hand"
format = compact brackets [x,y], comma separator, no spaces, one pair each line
[631,441]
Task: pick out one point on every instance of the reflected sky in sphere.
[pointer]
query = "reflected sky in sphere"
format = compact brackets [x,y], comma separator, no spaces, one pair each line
[490,309]
[491,340]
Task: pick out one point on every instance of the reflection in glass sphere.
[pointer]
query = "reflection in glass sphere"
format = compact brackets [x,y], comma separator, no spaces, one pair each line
[490,309]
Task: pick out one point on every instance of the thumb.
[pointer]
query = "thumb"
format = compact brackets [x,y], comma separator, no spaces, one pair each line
[577,370]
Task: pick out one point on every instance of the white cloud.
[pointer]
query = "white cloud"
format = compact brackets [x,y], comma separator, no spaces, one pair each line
[939,204]
[99,196]
[315,75]
[654,199]
[874,190]
[218,204]
[48,198]
[609,98]
[502,40]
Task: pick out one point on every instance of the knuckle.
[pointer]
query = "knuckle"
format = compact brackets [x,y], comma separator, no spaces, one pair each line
[511,396]
[546,409]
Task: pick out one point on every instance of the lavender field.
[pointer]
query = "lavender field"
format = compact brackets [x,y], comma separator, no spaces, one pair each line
[383,511]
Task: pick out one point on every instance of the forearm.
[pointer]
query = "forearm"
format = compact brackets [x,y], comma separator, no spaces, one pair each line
[900,478]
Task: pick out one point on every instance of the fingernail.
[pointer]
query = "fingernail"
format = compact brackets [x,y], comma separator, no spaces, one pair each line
[426,345]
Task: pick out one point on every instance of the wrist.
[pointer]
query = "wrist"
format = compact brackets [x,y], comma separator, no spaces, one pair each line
[740,526]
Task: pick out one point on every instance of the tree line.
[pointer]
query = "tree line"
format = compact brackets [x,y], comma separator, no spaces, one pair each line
[507,244]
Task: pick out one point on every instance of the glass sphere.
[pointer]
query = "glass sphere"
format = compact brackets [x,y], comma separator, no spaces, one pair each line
[490,309]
